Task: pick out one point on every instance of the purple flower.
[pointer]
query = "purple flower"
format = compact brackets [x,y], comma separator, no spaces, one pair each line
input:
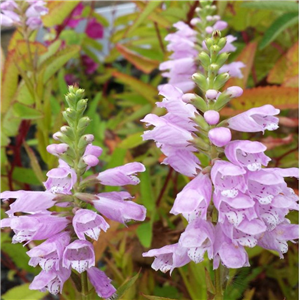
[219,25]
[34,22]
[277,238]
[255,119]
[8,18]
[233,69]
[89,64]
[8,5]
[247,154]
[232,256]
[113,206]
[37,9]
[101,283]
[75,17]
[49,254]
[212,94]
[28,202]
[198,238]
[236,209]
[94,29]
[52,281]
[34,227]
[229,47]
[228,178]
[122,175]
[168,257]
[61,179]
[88,222]
[79,255]
[192,202]
[57,149]
[219,136]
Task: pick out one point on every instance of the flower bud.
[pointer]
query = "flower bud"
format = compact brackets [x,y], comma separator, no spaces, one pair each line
[220,80]
[200,121]
[85,140]
[211,94]
[71,99]
[216,35]
[220,136]
[212,117]
[204,59]
[67,131]
[59,136]
[83,122]
[222,42]
[81,105]
[200,80]
[213,69]
[91,160]
[200,144]
[209,42]
[234,91]
[221,58]
[196,100]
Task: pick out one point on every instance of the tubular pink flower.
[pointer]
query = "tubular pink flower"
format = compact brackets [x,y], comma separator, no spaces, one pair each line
[87,222]
[52,281]
[113,206]
[247,154]
[79,255]
[122,175]
[49,254]
[192,202]
[255,119]
[101,283]
[168,257]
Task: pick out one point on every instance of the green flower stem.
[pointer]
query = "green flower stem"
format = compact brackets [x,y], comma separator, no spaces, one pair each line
[220,282]
[84,285]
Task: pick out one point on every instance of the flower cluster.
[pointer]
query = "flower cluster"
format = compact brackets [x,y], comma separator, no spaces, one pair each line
[234,202]
[184,44]
[29,12]
[72,224]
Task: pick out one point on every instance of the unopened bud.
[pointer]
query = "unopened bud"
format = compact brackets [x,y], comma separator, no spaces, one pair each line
[200,121]
[220,136]
[211,94]
[83,122]
[196,100]
[81,105]
[204,59]
[200,80]
[212,117]
[222,42]
[221,58]
[220,80]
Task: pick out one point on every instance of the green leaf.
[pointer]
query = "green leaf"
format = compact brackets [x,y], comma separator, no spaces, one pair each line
[146,90]
[23,292]
[25,175]
[140,62]
[58,11]
[102,20]
[156,297]
[52,49]
[132,141]
[62,85]
[26,112]
[283,22]
[34,163]
[147,196]
[144,233]
[126,285]
[58,61]
[150,7]
[283,6]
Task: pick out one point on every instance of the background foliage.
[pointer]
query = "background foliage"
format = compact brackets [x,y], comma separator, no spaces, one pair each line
[122,90]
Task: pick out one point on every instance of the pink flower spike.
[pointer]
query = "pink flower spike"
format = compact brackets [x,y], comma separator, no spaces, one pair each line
[88,222]
[122,175]
[79,255]
[212,117]
[219,136]
[101,283]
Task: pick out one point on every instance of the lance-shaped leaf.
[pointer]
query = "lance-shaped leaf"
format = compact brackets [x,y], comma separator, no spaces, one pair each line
[58,11]
[140,62]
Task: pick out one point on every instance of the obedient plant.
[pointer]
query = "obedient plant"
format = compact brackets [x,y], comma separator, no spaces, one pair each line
[66,217]
[233,202]
[185,44]
[22,13]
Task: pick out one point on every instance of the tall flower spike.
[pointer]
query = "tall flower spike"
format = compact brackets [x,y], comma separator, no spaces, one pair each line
[64,232]
[250,203]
